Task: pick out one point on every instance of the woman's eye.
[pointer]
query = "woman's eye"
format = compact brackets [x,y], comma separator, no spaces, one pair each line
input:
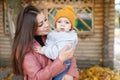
[40,25]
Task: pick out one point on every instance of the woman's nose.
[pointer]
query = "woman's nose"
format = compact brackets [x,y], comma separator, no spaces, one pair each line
[46,24]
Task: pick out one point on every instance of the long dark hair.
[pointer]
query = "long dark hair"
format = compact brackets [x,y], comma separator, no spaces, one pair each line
[23,40]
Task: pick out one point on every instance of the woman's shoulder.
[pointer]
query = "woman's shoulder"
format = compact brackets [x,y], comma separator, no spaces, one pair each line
[29,55]
[33,57]
[30,58]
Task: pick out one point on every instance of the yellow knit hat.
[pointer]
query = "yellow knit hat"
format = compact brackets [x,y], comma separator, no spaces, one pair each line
[67,12]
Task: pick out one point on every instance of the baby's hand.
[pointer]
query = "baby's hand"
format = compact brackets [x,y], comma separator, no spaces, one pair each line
[37,49]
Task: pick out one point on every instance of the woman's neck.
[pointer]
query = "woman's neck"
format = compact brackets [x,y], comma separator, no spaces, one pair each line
[40,39]
[43,38]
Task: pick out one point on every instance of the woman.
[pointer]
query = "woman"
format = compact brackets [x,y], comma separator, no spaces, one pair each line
[32,28]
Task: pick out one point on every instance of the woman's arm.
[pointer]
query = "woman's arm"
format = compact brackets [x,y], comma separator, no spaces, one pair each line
[73,71]
[36,71]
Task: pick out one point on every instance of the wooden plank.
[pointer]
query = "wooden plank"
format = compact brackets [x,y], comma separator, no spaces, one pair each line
[5,54]
[4,38]
[1,23]
[111,39]
[111,53]
[90,58]
[1,31]
[98,5]
[112,5]
[98,14]
[87,53]
[111,48]
[111,35]
[2,35]
[4,42]
[98,27]
[98,1]
[5,62]
[98,31]
[88,62]
[112,10]
[1,19]
[5,46]
[111,44]
[1,6]
[92,47]
[5,49]
[111,22]
[92,39]
[96,10]
[111,18]
[107,6]
[98,23]
[52,5]
[95,41]
[111,31]
[110,14]
[1,12]
[97,36]
[89,47]
[100,18]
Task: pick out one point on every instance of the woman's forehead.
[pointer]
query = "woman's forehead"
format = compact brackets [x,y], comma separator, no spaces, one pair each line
[40,17]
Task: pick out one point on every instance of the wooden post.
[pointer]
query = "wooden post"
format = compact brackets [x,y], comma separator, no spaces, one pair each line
[108,25]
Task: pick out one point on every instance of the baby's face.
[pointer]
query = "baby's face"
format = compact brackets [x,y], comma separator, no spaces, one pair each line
[63,24]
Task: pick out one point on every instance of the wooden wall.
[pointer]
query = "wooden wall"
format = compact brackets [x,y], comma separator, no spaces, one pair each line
[97,49]
[94,49]
[89,50]
[5,48]
[5,34]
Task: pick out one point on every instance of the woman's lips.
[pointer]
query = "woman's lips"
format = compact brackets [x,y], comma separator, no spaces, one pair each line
[47,29]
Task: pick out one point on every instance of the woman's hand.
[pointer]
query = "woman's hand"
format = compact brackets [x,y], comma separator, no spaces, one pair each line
[67,77]
[37,49]
[66,53]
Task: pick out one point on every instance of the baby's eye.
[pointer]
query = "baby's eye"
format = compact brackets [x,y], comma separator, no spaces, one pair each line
[46,19]
[67,22]
[59,21]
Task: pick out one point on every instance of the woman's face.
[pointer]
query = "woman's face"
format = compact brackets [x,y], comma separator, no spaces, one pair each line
[42,28]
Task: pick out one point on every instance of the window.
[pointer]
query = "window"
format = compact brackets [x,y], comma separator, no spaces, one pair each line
[83,8]
[84,14]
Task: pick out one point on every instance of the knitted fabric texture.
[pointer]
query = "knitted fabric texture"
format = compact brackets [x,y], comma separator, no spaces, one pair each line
[67,12]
